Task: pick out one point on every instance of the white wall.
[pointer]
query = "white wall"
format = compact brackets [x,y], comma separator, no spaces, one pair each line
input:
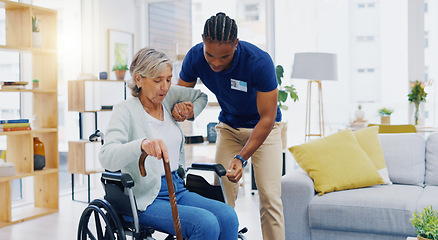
[332,26]
[87,50]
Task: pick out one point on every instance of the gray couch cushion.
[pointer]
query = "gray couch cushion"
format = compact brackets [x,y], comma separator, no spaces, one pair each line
[405,157]
[428,197]
[432,160]
[383,209]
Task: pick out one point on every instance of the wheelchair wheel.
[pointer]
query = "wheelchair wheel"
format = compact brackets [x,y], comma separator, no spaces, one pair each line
[99,221]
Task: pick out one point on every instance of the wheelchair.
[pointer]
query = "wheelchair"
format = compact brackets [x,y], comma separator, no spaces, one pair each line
[103,219]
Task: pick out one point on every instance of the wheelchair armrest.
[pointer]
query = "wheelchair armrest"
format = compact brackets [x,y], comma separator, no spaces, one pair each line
[217,167]
[124,178]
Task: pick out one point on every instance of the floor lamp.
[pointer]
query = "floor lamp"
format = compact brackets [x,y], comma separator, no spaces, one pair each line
[315,67]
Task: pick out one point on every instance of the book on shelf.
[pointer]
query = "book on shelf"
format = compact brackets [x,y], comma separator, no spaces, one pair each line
[13,125]
[11,83]
[21,120]
[15,129]
[13,86]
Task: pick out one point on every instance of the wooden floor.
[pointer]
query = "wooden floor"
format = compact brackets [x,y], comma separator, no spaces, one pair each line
[63,224]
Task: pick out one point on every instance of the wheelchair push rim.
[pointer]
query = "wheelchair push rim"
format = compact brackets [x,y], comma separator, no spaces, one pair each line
[100,222]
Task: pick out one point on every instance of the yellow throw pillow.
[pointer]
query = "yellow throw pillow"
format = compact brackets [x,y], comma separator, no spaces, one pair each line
[336,162]
[369,141]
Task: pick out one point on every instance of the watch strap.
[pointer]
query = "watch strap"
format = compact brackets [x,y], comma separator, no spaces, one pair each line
[244,162]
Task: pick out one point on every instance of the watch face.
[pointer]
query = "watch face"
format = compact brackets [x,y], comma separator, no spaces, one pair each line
[244,163]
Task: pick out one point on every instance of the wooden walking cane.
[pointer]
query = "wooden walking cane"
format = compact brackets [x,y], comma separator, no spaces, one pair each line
[171,190]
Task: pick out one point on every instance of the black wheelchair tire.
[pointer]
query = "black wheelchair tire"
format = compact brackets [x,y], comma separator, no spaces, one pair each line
[102,210]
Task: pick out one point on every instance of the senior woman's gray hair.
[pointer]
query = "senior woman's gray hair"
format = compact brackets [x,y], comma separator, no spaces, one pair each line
[149,63]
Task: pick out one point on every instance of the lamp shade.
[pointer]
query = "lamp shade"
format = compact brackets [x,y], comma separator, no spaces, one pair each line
[315,66]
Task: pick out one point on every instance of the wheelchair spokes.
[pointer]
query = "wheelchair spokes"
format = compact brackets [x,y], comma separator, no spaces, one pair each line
[99,222]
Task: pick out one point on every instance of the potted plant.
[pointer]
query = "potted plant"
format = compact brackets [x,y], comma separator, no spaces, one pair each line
[385,115]
[359,114]
[36,35]
[283,93]
[426,224]
[417,96]
[120,70]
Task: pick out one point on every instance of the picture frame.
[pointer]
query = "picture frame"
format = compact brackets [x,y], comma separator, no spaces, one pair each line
[120,50]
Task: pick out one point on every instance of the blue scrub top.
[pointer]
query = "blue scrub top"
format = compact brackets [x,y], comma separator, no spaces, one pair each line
[236,88]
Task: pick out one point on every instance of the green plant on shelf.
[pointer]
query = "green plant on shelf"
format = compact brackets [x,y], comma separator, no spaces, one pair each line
[119,67]
[35,27]
[385,111]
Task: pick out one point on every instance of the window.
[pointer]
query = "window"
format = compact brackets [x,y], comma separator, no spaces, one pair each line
[366,5]
[365,39]
[426,74]
[175,18]
[252,12]
[426,39]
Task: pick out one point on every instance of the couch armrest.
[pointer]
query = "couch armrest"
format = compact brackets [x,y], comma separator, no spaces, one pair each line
[297,191]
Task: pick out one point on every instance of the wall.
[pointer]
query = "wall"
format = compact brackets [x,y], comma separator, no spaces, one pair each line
[96,18]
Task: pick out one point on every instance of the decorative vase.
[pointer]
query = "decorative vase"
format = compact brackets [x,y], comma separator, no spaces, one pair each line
[418,113]
[37,40]
[211,132]
[359,114]
[39,157]
[417,108]
[120,74]
[385,119]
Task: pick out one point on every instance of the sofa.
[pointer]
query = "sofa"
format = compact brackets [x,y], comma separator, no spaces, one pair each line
[375,212]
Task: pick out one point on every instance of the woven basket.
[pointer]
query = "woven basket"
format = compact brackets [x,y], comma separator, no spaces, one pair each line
[385,120]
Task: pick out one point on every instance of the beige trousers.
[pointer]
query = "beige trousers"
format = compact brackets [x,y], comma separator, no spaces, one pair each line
[267,163]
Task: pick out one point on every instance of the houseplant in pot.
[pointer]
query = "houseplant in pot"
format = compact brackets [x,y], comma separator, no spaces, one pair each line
[284,92]
[385,115]
[417,96]
[36,35]
[426,224]
[120,70]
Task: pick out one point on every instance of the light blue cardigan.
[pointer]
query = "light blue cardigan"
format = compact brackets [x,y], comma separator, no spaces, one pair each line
[128,127]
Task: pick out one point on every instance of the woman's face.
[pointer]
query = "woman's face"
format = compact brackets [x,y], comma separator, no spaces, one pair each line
[155,89]
[219,55]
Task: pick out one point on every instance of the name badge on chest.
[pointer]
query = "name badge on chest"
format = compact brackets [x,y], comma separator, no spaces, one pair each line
[239,85]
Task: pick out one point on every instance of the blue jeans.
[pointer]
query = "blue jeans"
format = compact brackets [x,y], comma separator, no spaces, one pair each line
[201,218]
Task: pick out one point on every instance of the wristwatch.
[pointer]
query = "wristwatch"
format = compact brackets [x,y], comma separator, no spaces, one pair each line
[244,162]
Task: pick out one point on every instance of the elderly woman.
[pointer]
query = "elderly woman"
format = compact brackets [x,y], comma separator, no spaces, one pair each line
[147,123]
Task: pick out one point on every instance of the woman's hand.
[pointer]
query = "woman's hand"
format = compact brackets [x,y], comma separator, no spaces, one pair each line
[182,111]
[155,148]
[235,170]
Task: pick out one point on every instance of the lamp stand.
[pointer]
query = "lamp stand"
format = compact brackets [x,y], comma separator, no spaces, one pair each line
[309,134]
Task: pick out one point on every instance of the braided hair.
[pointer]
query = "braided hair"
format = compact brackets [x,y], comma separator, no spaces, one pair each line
[220,28]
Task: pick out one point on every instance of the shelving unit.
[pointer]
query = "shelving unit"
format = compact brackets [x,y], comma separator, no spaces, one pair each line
[88,97]
[45,106]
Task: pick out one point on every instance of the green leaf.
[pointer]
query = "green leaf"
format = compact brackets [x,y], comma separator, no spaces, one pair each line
[279,72]
[282,96]
[283,107]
